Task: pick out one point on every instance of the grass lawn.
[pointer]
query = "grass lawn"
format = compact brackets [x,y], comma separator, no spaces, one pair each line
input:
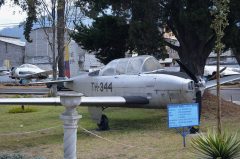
[134,134]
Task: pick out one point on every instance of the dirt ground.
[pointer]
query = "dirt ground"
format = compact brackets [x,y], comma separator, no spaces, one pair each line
[209,107]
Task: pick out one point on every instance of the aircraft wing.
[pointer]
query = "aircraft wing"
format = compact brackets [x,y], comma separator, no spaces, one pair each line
[223,80]
[111,101]
[53,82]
[1,70]
[4,72]
[30,101]
[114,101]
[38,75]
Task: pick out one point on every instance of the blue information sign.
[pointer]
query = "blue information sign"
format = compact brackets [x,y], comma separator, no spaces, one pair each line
[183,115]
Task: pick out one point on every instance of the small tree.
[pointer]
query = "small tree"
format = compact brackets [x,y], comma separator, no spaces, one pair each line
[220,11]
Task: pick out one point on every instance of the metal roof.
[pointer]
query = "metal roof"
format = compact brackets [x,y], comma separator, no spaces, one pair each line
[12,40]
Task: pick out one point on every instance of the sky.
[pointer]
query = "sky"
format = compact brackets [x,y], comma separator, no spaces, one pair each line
[10,16]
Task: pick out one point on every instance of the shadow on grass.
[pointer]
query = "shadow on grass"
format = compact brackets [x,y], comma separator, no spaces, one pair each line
[146,123]
[122,119]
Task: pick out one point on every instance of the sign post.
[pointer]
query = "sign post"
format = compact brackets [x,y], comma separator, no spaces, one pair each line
[183,116]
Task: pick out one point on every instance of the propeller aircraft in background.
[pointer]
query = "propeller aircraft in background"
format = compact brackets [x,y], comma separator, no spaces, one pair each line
[136,82]
[26,72]
[210,71]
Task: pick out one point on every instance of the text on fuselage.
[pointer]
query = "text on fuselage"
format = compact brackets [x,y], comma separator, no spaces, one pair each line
[102,86]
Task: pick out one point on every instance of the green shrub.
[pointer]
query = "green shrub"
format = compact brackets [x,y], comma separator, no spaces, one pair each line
[214,145]
[17,156]
[21,110]
[12,156]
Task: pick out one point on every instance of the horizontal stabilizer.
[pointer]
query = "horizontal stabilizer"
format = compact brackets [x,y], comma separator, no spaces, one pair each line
[111,101]
[223,80]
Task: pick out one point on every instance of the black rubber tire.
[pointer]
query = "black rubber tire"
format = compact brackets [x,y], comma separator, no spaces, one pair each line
[103,126]
[194,130]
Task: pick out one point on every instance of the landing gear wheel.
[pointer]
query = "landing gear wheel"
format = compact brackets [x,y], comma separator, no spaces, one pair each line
[103,126]
[194,130]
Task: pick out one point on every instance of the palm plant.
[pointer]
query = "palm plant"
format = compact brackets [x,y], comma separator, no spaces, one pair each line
[215,145]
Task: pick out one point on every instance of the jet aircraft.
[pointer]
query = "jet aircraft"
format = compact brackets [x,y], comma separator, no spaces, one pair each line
[26,72]
[137,82]
[210,71]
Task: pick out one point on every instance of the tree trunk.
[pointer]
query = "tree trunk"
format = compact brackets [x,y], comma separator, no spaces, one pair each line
[54,65]
[60,36]
[219,108]
[236,53]
[196,38]
[193,58]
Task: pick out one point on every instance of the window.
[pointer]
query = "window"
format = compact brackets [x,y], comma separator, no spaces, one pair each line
[122,66]
[109,69]
[134,65]
[151,64]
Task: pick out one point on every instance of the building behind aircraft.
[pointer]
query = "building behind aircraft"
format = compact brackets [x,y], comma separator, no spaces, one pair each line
[12,51]
[39,51]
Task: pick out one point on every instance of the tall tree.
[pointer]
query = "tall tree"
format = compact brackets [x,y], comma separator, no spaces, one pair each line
[1,2]
[144,33]
[220,14]
[232,32]
[189,20]
[107,37]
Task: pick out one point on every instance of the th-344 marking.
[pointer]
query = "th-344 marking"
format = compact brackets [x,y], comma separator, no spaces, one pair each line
[102,86]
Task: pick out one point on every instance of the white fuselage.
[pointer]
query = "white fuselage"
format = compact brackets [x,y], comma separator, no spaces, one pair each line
[22,72]
[160,89]
[209,70]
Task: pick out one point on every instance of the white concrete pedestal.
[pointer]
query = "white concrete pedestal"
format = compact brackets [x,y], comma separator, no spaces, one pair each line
[70,123]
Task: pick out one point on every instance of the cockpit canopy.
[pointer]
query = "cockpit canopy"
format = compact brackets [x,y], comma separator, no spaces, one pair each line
[131,66]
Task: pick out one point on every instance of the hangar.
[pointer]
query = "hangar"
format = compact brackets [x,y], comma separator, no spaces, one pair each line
[10,48]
